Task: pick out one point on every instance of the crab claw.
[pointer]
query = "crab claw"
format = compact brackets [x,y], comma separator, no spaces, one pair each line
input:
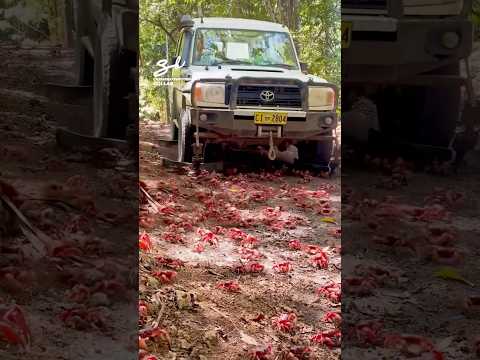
[13,326]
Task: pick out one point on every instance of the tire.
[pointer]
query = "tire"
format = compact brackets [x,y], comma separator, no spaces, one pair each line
[104,94]
[316,153]
[83,60]
[185,137]
[171,124]
[112,85]
[429,116]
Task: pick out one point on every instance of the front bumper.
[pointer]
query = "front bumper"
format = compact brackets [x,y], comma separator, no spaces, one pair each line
[234,123]
[226,125]
[396,48]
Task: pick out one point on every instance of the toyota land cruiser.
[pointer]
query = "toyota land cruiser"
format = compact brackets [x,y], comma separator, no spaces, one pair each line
[238,83]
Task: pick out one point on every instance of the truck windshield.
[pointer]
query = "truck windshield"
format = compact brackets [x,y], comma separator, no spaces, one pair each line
[243,47]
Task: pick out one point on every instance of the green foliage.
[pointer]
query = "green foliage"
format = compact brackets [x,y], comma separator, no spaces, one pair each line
[35,20]
[315,26]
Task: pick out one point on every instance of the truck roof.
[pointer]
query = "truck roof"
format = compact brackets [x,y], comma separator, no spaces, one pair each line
[237,23]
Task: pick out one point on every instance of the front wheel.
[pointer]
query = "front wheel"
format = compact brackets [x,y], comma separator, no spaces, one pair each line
[185,137]
[316,153]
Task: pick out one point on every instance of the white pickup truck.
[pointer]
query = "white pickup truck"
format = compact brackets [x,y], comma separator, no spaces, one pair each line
[241,85]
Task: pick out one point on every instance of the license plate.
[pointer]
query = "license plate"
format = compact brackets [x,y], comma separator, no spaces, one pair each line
[346,34]
[270,118]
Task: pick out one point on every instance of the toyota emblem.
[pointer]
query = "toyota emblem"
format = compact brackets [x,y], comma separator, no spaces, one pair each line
[267,95]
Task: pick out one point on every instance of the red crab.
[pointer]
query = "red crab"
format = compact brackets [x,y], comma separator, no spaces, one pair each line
[199,248]
[110,287]
[359,286]
[295,245]
[219,230]
[260,353]
[82,318]
[335,232]
[312,249]
[472,303]
[250,240]
[173,237]
[333,317]
[171,263]
[145,243]
[412,345]
[431,213]
[145,356]
[440,236]
[155,334]
[331,291]
[252,267]
[325,211]
[142,309]
[285,322]
[299,353]
[446,255]
[368,333]
[146,221]
[284,267]
[208,237]
[231,286]
[165,277]
[13,326]
[250,254]
[320,260]
[378,274]
[331,338]
[78,294]
[236,234]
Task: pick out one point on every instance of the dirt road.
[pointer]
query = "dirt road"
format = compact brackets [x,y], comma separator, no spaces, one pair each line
[78,298]
[410,265]
[233,266]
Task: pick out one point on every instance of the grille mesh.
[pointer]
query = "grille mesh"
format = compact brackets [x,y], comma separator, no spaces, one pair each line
[284,96]
[364,4]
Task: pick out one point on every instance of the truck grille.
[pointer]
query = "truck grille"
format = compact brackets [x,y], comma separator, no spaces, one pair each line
[283,96]
[364,4]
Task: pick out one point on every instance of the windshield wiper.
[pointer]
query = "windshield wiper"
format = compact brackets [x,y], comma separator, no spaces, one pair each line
[235,62]
[285,66]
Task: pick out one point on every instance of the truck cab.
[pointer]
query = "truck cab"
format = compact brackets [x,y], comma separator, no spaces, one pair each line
[238,83]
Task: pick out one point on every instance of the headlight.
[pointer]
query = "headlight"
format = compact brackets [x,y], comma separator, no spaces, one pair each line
[450,40]
[321,98]
[209,94]
[328,120]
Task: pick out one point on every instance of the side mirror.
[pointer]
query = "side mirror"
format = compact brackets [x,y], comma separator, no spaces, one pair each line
[107,7]
[304,67]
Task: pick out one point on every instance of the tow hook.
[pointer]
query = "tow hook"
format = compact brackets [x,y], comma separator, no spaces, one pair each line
[272,154]
[197,156]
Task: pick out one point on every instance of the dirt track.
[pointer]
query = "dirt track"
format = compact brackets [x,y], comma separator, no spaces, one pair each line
[70,196]
[254,216]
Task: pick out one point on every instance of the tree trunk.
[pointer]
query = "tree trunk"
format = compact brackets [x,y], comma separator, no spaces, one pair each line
[55,21]
[68,23]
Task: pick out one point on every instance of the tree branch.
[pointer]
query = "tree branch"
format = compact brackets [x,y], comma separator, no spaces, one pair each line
[160,25]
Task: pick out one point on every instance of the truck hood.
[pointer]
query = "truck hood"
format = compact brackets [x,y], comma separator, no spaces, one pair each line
[236,72]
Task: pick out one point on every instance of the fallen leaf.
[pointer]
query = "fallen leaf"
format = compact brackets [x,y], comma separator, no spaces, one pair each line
[449,273]
[328,220]
[248,339]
